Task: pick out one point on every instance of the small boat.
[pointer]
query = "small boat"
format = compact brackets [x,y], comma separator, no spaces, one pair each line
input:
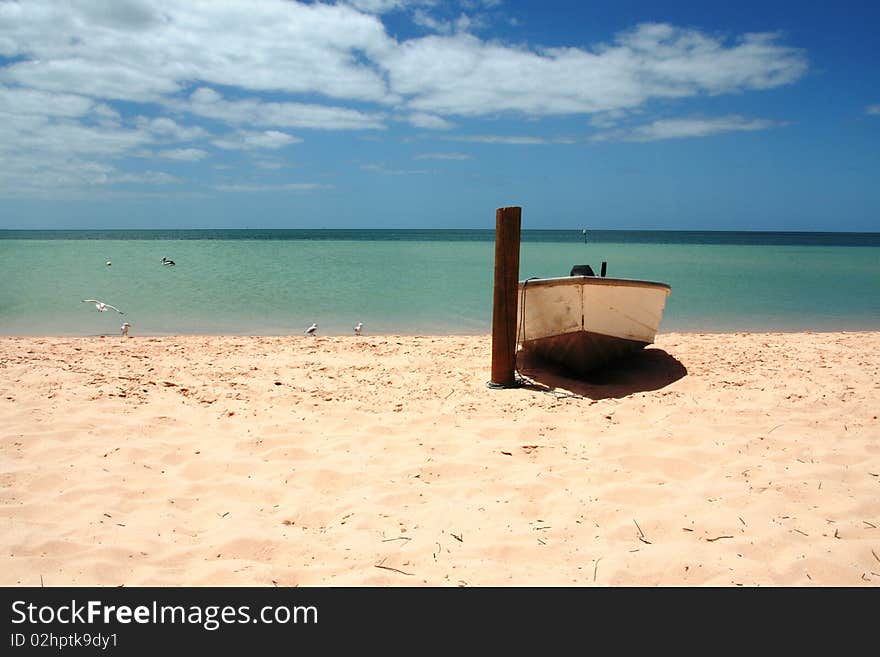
[582,321]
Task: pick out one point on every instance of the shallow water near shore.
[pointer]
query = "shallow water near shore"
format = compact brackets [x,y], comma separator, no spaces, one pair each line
[417,282]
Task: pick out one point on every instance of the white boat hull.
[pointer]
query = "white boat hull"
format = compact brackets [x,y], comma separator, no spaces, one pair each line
[580,323]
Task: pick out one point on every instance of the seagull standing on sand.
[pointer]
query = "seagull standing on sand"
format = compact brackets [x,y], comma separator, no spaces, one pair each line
[102,307]
[358,328]
[312,330]
[124,329]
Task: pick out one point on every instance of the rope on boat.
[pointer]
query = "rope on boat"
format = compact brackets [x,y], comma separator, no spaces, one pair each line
[521,329]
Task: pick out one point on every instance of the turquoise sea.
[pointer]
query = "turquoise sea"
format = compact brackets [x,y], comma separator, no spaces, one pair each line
[428,282]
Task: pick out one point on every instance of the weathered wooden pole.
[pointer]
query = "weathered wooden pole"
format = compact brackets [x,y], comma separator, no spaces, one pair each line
[507,233]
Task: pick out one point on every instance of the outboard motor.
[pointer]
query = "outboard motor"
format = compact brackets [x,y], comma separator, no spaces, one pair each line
[582,270]
[586,270]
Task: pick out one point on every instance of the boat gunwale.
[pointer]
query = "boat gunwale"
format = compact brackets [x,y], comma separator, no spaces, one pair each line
[593,280]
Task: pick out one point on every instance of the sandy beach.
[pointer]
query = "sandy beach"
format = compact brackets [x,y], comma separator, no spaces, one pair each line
[707,459]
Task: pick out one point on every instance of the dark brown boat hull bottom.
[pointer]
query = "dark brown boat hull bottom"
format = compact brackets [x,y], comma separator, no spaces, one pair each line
[580,352]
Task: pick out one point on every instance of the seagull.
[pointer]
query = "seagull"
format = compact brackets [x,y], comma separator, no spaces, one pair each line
[124,328]
[109,263]
[358,328]
[166,261]
[101,306]
[312,330]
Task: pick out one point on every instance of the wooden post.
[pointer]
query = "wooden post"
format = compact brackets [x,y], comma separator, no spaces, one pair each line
[507,234]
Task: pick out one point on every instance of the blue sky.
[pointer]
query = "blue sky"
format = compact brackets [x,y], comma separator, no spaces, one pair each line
[432,114]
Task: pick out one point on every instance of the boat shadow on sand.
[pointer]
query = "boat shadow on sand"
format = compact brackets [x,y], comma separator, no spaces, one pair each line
[645,370]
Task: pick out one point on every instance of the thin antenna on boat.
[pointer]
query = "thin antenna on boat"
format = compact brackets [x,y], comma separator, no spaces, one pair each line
[507,237]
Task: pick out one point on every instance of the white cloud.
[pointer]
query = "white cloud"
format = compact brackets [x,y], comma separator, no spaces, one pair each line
[184,154]
[249,140]
[62,145]
[86,83]
[873,109]
[68,138]
[687,127]
[269,165]
[167,129]
[381,168]
[208,103]
[609,119]
[257,187]
[269,45]
[376,6]
[430,121]
[22,174]
[428,21]
[462,23]
[151,52]
[686,62]
[147,177]
[99,79]
[27,175]
[30,102]
[466,76]
[523,140]
[444,156]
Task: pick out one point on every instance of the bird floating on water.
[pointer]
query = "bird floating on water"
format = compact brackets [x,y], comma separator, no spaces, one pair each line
[102,307]
[124,328]
[358,328]
[312,330]
[109,263]
[166,261]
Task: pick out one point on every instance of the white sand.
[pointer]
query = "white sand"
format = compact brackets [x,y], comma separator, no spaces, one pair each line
[731,459]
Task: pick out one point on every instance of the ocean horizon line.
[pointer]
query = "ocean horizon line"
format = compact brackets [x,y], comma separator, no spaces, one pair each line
[560,235]
[446,229]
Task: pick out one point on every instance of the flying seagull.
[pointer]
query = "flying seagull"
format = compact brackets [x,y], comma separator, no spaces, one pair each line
[124,328]
[312,330]
[358,328]
[101,306]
